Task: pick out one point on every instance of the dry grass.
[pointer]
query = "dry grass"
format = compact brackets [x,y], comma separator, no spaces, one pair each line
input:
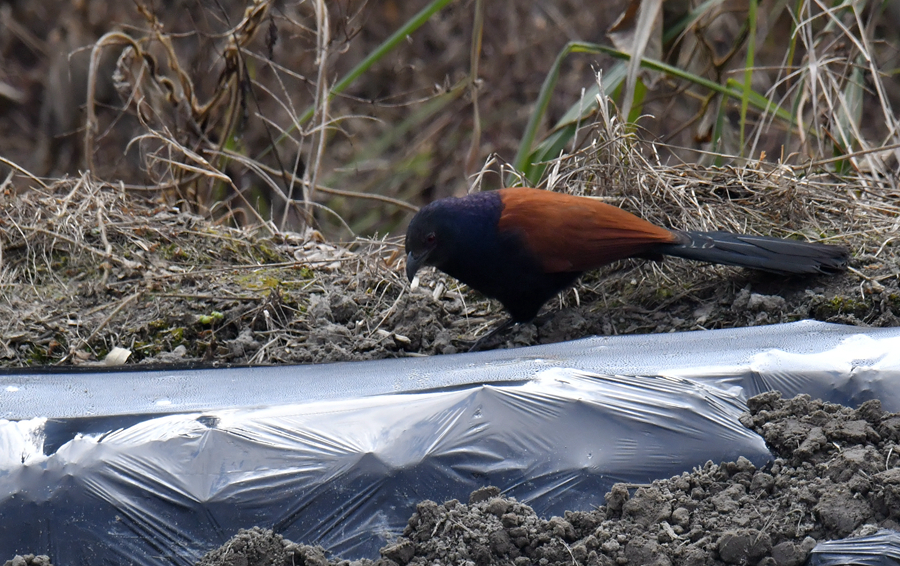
[759,197]
[85,268]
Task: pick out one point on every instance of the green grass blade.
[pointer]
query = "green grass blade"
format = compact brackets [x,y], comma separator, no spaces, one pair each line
[748,71]
[688,20]
[526,158]
[386,47]
[640,93]
[849,116]
[543,101]
[758,101]
[792,52]
[649,14]
[564,130]
[718,131]
[393,135]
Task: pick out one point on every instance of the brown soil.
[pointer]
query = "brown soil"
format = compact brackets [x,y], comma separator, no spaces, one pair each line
[834,485]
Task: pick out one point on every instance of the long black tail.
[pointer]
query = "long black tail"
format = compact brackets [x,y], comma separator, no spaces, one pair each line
[784,257]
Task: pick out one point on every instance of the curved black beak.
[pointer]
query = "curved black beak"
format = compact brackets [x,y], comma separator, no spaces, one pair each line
[413,264]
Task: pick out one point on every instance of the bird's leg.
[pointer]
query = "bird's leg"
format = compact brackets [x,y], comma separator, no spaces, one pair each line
[487,337]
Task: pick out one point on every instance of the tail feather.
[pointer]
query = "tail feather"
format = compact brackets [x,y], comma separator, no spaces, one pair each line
[775,255]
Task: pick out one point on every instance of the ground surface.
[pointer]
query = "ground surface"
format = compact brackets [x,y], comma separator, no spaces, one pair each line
[92,275]
[87,270]
[89,273]
[829,481]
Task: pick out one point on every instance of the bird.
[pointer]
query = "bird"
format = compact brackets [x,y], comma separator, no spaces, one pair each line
[523,246]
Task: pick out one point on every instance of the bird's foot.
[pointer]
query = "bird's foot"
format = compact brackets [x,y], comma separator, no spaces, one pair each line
[486,339]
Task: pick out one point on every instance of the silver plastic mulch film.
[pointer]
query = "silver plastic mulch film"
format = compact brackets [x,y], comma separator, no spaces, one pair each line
[164,466]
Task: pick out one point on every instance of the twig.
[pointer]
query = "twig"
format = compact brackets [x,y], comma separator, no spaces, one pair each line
[23,171]
[321,104]
[206,297]
[338,192]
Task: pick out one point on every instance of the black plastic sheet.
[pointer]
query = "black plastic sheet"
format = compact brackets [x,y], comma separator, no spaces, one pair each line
[160,467]
[879,549]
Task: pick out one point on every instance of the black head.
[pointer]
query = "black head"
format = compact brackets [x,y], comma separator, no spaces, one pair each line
[461,237]
[443,232]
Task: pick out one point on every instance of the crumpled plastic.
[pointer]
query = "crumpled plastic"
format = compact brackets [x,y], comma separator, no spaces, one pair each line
[160,467]
[879,549]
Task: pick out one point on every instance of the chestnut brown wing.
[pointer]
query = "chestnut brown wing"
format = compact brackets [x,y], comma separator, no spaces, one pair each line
[570,233]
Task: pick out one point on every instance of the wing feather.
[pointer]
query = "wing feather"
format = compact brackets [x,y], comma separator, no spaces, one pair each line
[570,233]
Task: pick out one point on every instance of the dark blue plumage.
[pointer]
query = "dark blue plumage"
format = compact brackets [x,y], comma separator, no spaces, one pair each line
[514,276]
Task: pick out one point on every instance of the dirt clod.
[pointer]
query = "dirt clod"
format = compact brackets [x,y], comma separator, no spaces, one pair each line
[29,560]
[263,547]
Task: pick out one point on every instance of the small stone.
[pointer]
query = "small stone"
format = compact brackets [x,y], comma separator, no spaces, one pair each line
[616,498]
[647,552]
[509,520]
[483,494]
[745,465]
[561,528]
[610,547]
[762,482]
[788,554]
[743,546]
[767,303]
[580,553]
[401,552]
[343,308]
[500,543]
[840,512]
[497,506]
[681,517]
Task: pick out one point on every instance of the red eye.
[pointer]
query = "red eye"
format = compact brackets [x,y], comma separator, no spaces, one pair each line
[430,238]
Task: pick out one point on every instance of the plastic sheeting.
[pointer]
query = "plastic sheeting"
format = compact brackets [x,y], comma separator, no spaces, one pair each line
[160,467]
[879,549]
